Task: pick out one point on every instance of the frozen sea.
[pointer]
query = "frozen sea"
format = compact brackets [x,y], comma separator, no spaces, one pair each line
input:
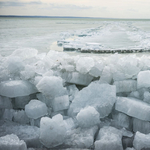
[43,33]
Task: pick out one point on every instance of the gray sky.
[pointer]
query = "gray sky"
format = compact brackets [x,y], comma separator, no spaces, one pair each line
[80,8]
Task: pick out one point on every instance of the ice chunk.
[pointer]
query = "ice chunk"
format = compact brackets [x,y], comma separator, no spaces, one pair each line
[69,124]
[28,72]
[8,114]
[5,102]
[30,134]
[84,64]
[20,102]
[77,78]
[12,142]
[16,88]
[125,86]
[88,117]
[135,94]
[106,76]
[35,109]
[94,95]
[141,126]
[72,91]
[143,79]
[14,64]
[81,138]
[52,131]
[51,87]
[141,141]
[109,138]
[146,97]
[121,120]
[20,117]
[25,53]
[97,69]
[129,148]
[132,107]
[60,103]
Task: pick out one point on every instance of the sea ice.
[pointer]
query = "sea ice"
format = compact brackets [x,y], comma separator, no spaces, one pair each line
[77,78]
[20,102]
[141,141]
[8,114]
[60,103]
[109,138]
[141,126]
[132,107]
[12,142]
[51,87]
[88,117]
[94,95]
[20,117]
[97,69]
[5,102]
[146,97]
[81,64]
[121,120]
[30,134]
[52,131]
[125,86]
[35,109]
[81,137]
[106,76]
[16,88]
[143,79]
[72,91]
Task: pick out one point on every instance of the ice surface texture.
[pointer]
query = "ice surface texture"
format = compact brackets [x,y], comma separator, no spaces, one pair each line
[72,100]
[16,88]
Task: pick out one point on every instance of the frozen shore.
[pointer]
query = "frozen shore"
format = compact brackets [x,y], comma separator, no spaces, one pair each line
[59,101]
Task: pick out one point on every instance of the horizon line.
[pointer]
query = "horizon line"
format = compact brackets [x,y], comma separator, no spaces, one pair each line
[37,16]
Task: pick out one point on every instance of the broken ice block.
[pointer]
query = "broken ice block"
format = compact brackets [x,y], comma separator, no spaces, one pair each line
[30,134]
[84,64]
[146,97]
[60,103]
[88,117]
[20,117]
[51,87]
[125,86]
[12,142]
[141,126]
[16,88]
[5,102]
[77,78]
[81,137]
[8,114]
[100,96]
[133,107]
[52,131]
[35,109]
[109,138]
[20,102]
[143,79]
[106,76]
[141,141]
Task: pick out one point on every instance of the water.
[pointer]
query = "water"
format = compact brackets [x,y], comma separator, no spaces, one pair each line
[43,33]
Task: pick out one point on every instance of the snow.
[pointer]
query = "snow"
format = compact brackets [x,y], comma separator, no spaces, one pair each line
[12,142]
[16,88]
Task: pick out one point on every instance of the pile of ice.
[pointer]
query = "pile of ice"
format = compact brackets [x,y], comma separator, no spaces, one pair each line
[59,101]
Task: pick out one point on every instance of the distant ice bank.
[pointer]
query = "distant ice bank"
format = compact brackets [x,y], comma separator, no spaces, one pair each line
[58,101]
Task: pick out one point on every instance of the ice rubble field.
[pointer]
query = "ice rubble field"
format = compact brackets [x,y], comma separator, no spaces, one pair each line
[58,101]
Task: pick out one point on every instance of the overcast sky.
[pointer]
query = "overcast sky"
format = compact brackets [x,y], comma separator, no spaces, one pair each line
[80,8]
